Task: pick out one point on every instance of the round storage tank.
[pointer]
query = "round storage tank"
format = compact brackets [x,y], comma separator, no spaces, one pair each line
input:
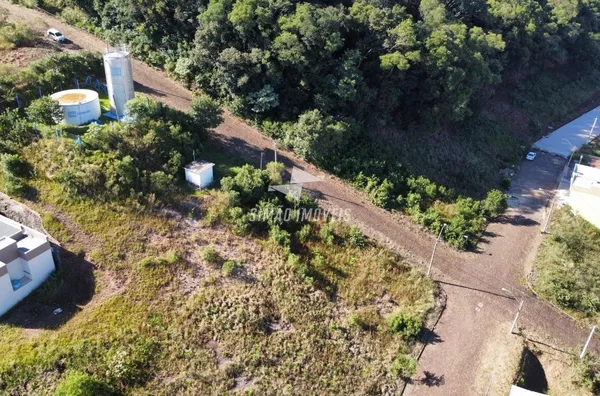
[119,79]
[80,106]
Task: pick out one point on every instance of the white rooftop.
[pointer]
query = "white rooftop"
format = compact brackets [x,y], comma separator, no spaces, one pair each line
[199,166]
[7,229]
[587,172]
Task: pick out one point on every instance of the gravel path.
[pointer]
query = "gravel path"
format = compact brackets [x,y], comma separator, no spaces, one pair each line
[477,307]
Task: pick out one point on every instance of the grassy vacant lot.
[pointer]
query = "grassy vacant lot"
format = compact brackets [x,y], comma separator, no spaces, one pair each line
[170,301]
[567,266]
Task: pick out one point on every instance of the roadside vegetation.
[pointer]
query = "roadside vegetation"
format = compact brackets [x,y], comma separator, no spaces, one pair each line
[567,267]
[169,292]
[14,35]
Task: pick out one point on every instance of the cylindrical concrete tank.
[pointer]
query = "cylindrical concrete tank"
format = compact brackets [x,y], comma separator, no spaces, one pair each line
[80,106]
[119,79]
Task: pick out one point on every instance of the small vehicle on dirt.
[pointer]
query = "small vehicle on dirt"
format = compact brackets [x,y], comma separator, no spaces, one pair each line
[530,156]
[55,35]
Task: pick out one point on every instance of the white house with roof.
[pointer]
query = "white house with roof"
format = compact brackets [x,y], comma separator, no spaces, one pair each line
[25,262]
[584,193]
[199,173]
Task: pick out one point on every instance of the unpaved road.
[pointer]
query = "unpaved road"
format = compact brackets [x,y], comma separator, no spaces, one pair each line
[477,306]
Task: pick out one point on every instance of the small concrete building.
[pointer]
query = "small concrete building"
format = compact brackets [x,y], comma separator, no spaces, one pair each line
[25,262]
[584,193]
[199,173]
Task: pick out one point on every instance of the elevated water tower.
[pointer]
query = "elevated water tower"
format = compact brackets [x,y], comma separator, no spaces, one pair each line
[119,78]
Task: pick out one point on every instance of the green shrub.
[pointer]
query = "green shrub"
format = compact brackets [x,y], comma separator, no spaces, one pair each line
[128,364]
[74,16]
[305,233]
[280,236]
[229,267]
[406,325]
[44,110]
[356,237]
[17,35]
[327,234]
[14,169]
[403,366]
[15,165]
[171,257]
[588,372]
[14,132]
[80,384]
[383,194]
[210,255]
[495,203]
[205,112]
[249,184]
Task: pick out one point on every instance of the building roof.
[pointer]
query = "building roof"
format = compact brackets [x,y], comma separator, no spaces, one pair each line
[7,229]
[199,166]
[586,179]
[20,241]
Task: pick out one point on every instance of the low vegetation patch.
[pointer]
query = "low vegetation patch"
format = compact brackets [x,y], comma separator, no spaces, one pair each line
[241,292]
[567,266]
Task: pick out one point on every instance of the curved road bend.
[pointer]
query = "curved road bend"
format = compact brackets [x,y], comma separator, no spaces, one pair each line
[477,307]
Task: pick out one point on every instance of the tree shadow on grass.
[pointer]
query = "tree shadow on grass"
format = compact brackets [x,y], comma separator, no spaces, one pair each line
[71,286]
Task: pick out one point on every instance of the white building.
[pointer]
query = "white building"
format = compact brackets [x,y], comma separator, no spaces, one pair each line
[25,262]
[199,173]
[584,193]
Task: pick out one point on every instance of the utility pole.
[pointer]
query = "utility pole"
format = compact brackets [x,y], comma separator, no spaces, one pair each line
[587,343]
[275,149]
[516,317]
[592,130]
[262,154]
[434,248]
[518,311]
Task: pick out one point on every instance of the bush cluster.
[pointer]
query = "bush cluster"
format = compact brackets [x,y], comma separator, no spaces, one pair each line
[466,218]
[140,160]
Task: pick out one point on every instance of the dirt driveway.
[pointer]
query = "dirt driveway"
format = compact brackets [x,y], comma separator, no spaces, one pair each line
[477,307]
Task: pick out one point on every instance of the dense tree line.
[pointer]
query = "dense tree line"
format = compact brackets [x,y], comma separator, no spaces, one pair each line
[357,62]
[319,75]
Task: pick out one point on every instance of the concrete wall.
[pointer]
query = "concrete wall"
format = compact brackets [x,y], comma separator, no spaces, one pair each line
[586,206]
[202,180]
[206,178]
[40,267]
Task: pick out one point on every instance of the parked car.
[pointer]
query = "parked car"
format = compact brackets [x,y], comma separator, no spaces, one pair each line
[55,35]
[530,156]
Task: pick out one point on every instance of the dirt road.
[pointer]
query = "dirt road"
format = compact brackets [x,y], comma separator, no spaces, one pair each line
[477,306]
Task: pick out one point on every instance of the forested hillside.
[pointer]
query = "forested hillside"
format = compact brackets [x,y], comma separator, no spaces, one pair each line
[378,92]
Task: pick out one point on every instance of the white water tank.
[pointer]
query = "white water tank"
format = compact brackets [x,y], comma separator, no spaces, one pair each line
[80,106]
[119,79]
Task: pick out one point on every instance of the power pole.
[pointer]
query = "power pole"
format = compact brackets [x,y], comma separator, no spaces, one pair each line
[592,130]
[587,343]
[275,149]
[262,154]
[516,317]
[434,248]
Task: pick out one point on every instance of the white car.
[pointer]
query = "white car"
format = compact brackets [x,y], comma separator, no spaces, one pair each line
[530,156]
[55,35]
